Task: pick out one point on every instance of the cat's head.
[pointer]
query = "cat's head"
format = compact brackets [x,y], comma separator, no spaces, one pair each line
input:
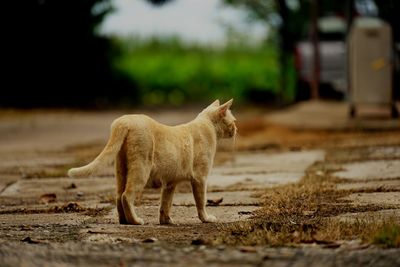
[222,118]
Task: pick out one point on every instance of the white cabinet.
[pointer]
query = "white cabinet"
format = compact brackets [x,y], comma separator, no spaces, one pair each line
[370,65]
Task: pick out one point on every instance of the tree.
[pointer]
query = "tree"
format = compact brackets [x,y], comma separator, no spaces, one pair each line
[289,27]
[52,55]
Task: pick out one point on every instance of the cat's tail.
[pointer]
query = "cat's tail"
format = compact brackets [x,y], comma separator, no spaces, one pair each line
[107,156]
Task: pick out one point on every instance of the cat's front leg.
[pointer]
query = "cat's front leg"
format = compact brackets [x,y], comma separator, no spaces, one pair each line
[199,187]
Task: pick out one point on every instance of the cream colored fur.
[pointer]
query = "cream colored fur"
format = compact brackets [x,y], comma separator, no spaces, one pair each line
[143,148]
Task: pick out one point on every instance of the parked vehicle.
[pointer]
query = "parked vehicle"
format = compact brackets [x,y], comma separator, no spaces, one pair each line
[332,47]
[333,53]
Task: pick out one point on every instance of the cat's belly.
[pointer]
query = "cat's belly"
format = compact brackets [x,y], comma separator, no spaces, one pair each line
[170,174]
[172,167]
[173,158]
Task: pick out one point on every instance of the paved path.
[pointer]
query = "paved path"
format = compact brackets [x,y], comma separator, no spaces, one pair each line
[35,146]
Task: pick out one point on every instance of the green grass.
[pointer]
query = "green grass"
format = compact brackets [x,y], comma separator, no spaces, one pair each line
[170,72]
[388,235]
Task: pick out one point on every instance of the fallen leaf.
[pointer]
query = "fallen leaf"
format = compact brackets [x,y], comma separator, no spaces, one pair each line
[48,198]
[29,240]
[150,240]
[71,186]
[214,202]
[359,247]
[25,228]
[332,245]
[247,249]
[323,242]
[242,212]
[199,241]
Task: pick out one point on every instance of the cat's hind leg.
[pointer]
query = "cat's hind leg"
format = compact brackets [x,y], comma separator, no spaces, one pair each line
[137,176]
[120,175]
[167,194]
[199,188]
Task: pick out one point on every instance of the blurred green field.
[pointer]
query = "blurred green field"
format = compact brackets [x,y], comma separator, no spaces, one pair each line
[170,72]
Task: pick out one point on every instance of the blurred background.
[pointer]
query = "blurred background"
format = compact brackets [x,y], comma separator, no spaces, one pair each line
[127,53]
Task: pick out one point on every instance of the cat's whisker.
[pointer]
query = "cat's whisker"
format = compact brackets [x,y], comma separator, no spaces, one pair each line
[233,149]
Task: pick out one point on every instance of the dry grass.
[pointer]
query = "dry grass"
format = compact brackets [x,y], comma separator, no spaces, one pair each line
[368,230]
[304,213]
[257,134]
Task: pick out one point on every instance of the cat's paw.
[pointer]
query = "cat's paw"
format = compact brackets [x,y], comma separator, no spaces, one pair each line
[209,219]
[138,221]
[166,220]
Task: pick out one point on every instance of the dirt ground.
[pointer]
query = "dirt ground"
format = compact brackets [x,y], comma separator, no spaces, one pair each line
[47,218]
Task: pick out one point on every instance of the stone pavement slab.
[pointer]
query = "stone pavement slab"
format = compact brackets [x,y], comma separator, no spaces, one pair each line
[376,169]
[265,170]
[368,185]
[377,198]
[26,188]
[332,115]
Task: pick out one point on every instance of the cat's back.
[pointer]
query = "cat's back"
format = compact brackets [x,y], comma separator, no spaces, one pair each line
[142,131]
[143,125]
[137,122]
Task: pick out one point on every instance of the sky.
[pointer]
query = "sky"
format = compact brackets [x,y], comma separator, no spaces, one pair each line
[192,20]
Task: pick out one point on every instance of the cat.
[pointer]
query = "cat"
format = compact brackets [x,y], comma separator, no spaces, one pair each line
[142,148]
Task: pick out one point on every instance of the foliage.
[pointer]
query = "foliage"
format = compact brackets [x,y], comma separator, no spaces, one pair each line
[167,71]
[287,25]
[52,55]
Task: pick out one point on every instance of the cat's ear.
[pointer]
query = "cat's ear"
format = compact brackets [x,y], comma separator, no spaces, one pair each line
[214,104]
[223,108]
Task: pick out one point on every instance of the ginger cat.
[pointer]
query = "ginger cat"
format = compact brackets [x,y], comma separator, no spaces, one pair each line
[143,148]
